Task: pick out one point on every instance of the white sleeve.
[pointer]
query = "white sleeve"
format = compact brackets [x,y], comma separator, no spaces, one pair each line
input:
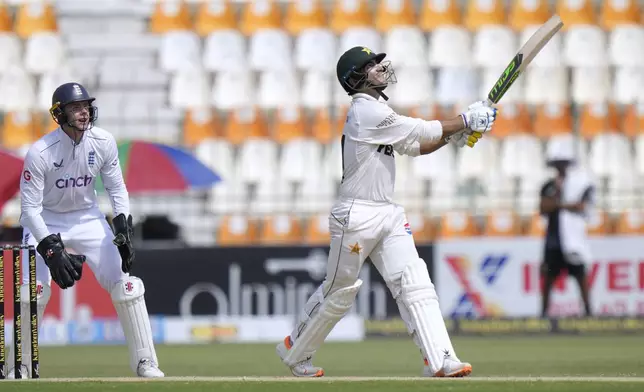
[379,124]
[32,185]
[413,149]
[113,180]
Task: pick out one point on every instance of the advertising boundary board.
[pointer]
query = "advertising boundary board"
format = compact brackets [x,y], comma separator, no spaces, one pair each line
[499,277]
[395,327]
[256,281]
[177,330]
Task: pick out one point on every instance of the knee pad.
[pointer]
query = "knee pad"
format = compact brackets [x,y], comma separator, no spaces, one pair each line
[415,283]
[413,277]
[127,290]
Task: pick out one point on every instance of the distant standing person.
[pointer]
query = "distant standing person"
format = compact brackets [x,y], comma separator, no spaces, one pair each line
[566,202]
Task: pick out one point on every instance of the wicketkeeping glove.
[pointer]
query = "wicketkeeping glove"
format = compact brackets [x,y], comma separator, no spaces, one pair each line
[123,233]
[479,117]
[65,268]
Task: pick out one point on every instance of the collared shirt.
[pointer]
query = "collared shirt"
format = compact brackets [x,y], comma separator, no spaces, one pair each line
[371,134]
[59,176]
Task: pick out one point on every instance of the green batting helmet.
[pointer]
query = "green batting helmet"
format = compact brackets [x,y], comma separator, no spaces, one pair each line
[351,64]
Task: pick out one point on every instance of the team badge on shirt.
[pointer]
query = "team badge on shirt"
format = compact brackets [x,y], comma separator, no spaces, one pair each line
[407,228]
[91,158]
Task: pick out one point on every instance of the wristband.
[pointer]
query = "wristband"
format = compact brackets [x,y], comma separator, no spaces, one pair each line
[464,120]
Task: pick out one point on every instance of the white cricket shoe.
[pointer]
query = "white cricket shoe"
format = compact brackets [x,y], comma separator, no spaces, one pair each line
[451,368]
[148,369]
[302,369]
[23,375]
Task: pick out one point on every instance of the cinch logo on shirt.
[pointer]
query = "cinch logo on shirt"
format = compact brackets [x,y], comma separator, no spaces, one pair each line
[71,182]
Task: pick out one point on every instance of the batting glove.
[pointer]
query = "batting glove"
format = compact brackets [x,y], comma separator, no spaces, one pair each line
[467,138]
[479,117]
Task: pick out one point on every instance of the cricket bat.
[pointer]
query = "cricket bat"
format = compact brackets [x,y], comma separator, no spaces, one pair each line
[523,58]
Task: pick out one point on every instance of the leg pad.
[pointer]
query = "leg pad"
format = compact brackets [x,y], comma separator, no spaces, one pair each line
[128,298]
[333,309]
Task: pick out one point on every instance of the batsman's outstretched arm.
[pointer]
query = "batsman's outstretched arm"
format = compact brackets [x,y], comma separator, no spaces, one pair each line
[450,128]
[428,148]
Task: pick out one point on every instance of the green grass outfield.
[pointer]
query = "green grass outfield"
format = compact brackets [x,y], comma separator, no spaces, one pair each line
[551,363]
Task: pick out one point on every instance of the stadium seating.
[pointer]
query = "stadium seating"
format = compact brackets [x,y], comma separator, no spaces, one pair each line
[250,89]
[316,231]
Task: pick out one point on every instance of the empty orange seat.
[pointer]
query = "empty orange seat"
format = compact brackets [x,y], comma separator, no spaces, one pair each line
[347,14]
[438,14]
[598,118]
[213,16]
[199,124]
[290,123]
[422,228]
[599,224]
[457,224]
[512,118]
[260,14]
[633,119]
[630,222]
[537,226]
[46,126]
[35,17]
[502,224]
[480,13]
[448,111]
[6,21]
[429,112]
[317,230]
[576,12]
[614,13]
[524,13]
[236,230]
[304,14]
[322,128]
[392,13]
[170,16]
[281,229]
[19,129]
[243,124]
[552,119]
[340,118]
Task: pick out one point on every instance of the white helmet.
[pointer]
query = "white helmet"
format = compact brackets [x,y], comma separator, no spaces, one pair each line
[561,148]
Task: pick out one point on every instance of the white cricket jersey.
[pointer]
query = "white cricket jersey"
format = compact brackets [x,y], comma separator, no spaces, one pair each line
[59,176]
[371,134]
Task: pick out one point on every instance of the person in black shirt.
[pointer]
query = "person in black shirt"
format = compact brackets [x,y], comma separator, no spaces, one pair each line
[560,253]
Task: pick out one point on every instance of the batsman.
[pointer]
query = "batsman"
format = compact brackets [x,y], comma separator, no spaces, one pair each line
[365,222]
[59,212]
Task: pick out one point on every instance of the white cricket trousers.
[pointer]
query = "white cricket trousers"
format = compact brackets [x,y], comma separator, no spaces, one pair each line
[84,232]
[361,229]
[87,233]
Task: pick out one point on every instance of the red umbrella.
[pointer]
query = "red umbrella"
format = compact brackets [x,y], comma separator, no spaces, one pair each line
[10,178]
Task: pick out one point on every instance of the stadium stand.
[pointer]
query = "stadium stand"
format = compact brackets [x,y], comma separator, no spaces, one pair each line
[249,87]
